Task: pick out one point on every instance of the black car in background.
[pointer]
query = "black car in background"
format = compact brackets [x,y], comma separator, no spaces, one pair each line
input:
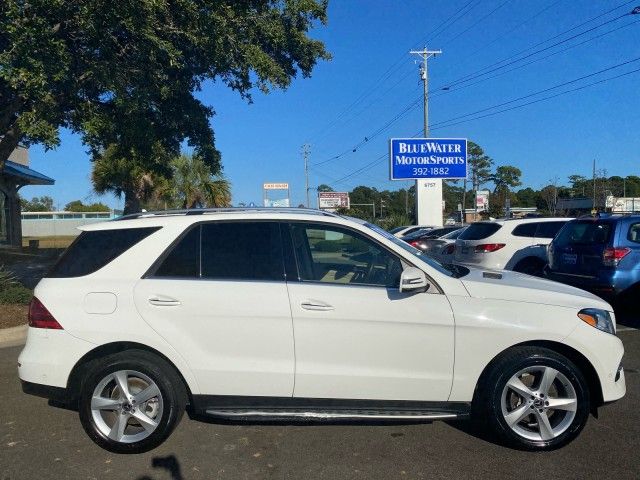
[418,239]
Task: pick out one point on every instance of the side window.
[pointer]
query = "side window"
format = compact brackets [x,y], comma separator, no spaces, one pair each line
[549,229]
[92,250]
[184,259]
[525,230]
[333,255]
[634,233]
[241,251]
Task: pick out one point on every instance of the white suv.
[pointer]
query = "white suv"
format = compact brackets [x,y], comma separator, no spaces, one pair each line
[292,314]
[519,245]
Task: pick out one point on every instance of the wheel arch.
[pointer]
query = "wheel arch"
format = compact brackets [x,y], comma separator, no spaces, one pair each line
[80,368]
[585,366]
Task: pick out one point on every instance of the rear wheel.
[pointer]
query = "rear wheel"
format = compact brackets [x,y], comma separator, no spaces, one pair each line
[130,402]
[533,399]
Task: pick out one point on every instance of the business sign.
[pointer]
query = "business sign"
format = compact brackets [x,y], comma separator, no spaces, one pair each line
[333,200]
[275,186]
[276,202]
[415,158]
[482,200]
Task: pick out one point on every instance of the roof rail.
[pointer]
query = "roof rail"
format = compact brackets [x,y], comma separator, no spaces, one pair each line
[201,211]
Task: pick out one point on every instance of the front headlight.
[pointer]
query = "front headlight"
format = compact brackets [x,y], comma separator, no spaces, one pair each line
[601,319]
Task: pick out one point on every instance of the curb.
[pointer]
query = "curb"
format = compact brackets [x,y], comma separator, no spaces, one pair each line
[13,336]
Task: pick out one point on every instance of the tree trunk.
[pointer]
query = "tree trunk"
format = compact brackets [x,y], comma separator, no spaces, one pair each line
[131,202]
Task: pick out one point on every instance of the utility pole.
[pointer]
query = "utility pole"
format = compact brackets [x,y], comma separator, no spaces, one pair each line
[305,155]
[434,194]
[594,184]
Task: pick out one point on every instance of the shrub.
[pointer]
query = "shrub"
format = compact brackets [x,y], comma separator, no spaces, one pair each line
[11,291]
[15,294]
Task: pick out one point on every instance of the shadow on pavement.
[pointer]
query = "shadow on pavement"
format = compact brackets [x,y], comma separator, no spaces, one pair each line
[169,463]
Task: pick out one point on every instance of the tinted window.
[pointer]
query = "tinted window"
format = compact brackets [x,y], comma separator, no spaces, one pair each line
[525,230]
[184,258]
[334,255]
[397,229]
[548,229]
[93,250]
[479,231]
[587,232]
[634,233]
[243,251]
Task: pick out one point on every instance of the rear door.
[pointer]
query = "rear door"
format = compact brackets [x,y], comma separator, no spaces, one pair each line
[219,297]
[578,248]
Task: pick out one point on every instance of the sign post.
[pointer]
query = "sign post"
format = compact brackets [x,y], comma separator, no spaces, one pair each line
[428,161]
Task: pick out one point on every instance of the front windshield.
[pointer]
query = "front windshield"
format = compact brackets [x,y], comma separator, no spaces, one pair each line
[448,269]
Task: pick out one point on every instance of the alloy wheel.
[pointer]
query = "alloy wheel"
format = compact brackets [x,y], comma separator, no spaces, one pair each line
[539,403]
[126,406]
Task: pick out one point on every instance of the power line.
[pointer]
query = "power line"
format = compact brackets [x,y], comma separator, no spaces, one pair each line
[490,68]
[447,123]
[443,90]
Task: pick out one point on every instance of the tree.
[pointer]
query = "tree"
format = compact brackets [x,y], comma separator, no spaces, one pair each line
[127,73]
[79,206]
[37,204]
[191,185]
[479,165]
[325,188]
[506,176]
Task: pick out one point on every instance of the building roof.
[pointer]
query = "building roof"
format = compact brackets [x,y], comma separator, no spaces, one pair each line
[26,174]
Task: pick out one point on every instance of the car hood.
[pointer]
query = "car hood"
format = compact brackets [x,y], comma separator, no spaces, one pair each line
[518,287]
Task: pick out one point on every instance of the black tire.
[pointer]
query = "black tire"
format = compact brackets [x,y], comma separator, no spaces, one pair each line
[530,266]
[172,400]
[489,405]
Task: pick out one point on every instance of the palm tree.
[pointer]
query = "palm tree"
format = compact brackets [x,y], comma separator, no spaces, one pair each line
[193,185]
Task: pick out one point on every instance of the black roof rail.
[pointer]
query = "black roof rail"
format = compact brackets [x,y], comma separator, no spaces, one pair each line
[201,211]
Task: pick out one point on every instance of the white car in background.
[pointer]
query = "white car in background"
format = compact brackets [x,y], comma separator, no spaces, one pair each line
[409,229]
[325,318]
[514,244]
[443,248]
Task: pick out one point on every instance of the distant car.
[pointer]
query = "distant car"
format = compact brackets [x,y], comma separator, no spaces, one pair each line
[519,245]
[443,248]
[419,238]
[409,229]
[599,254]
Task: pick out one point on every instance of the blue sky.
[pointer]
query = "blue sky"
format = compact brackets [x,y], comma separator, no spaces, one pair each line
[369,41]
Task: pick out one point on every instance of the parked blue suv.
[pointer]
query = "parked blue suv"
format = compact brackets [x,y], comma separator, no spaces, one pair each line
[600,254]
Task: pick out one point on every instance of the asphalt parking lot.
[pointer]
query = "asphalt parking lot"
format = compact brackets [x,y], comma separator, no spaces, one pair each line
[42,442]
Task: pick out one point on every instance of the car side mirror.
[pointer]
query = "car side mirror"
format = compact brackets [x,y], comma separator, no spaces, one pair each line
[413,279]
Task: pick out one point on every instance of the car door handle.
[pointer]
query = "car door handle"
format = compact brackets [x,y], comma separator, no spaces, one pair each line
[316,305]
[163,301]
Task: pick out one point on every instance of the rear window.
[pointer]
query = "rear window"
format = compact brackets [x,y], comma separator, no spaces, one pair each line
[479,231]
[585,233]
[94,249]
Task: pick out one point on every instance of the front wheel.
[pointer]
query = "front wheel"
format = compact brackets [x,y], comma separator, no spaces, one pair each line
[533,398]
[130,402]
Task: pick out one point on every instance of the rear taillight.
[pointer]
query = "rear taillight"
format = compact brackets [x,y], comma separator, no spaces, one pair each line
[612,256]
[40,317]
[449,249]
[414,243]
[489,247]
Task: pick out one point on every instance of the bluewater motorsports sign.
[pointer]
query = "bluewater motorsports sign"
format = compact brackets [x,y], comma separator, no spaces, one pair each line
[415,158]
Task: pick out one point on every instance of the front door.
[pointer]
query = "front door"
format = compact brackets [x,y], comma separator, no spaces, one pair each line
[356,335]
[220,299]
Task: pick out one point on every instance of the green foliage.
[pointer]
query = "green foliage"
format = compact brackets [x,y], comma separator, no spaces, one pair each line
[11,291]
[192,184]
[479,164]
[127,73]
[324,188]
[78,206]
[506,176]
[37,204]
[393,221]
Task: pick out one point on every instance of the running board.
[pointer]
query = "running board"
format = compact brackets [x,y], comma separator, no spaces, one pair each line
[328,415]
